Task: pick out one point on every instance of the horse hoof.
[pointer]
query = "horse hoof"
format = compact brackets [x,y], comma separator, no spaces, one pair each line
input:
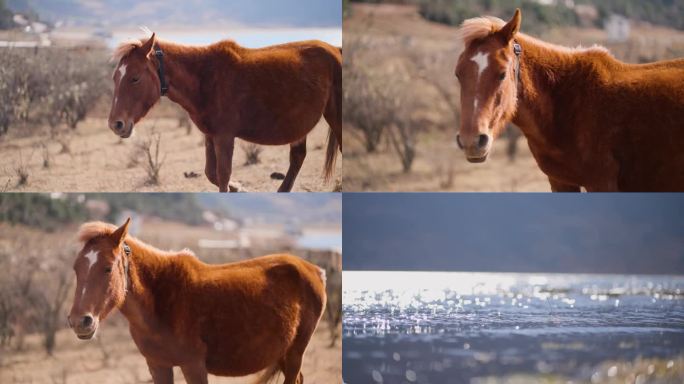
[277,176]
[234,186]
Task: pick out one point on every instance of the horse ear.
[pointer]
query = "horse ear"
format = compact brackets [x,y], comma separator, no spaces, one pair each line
[120,234]
[148,47]
[511,28]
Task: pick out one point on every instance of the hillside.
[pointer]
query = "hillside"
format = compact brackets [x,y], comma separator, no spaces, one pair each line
[309,13]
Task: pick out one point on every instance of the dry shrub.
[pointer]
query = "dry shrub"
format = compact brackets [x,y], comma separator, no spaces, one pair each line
[51,86]
[45,151]
[149,148]
[252,152]
[21,169]
[184,121]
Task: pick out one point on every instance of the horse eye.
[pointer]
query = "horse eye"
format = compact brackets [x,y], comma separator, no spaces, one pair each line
[135,80]
[108,269]
[502,76]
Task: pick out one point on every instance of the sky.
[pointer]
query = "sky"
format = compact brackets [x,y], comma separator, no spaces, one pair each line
[578,233]
[198,13]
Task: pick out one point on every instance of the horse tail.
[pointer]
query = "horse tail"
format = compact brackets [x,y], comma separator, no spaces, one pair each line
[333,115]
[330,155]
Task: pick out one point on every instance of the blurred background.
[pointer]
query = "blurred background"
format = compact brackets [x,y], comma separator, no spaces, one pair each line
[402,106]
[38,246]
[56,91]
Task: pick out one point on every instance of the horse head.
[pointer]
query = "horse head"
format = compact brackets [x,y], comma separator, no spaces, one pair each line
[137,85]
[101,269]
[488,72]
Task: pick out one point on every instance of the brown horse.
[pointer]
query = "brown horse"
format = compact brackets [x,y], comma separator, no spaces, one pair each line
[238,319]
[270,96]
[590,120]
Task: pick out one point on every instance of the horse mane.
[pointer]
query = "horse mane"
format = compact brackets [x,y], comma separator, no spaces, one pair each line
[94,229]
[478,28]
[127,46]
[124,48]
[481,27]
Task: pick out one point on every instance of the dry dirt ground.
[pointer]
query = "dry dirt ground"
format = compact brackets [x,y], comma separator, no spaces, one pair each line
[439,165]
[112,358]
[100,162]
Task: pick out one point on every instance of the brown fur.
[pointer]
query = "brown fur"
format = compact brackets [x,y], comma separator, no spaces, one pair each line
[590,120]
[232,319]
[269,96]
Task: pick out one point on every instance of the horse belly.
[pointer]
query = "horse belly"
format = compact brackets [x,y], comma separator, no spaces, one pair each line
[281,130]
[283,113]
[243,360]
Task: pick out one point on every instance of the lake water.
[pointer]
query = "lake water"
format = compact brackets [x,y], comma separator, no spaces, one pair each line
[434,327]
[248,37]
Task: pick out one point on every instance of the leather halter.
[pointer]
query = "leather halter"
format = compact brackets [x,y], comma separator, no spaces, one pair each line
[159,54]
[127,252]
[517,49]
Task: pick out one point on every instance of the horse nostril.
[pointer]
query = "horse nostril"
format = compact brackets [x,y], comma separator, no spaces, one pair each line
[119,125]
[458,141]
[482,141]
[87,321]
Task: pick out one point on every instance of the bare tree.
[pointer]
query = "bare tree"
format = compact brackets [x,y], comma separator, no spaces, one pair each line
[52,305]
[333,305]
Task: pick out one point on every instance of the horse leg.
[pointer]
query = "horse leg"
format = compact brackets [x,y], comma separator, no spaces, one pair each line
[292,363]
[559,186]
[223,146]
[292,368]
[195,373]
[160,375]
[297,155]
[210,164]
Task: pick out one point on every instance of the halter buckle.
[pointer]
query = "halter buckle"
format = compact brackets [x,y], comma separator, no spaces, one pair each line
[517,49]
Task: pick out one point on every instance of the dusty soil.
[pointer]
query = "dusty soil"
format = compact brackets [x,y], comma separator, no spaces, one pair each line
[112,358]
[441,166]
[99,161]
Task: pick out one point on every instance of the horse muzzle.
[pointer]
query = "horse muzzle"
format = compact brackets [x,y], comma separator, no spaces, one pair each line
[121,128]
[476,149]
[85,327]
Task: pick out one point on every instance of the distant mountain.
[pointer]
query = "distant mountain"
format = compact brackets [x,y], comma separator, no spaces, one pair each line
[107,13]
[309,208]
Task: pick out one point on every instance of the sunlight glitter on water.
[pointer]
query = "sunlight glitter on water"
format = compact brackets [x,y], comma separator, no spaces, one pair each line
[443,324]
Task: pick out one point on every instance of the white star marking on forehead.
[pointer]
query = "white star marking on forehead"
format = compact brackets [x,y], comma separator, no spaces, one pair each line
[481,60]
[122,71]
[92,258]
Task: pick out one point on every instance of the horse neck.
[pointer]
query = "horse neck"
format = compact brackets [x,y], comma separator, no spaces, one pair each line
[183,67]
[147,269]
[544,70]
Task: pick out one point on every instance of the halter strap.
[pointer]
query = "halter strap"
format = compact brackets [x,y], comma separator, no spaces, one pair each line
[517,49]
[127,252]
[160,70]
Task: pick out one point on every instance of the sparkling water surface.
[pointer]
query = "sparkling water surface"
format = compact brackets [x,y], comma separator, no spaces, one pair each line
[434,327]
